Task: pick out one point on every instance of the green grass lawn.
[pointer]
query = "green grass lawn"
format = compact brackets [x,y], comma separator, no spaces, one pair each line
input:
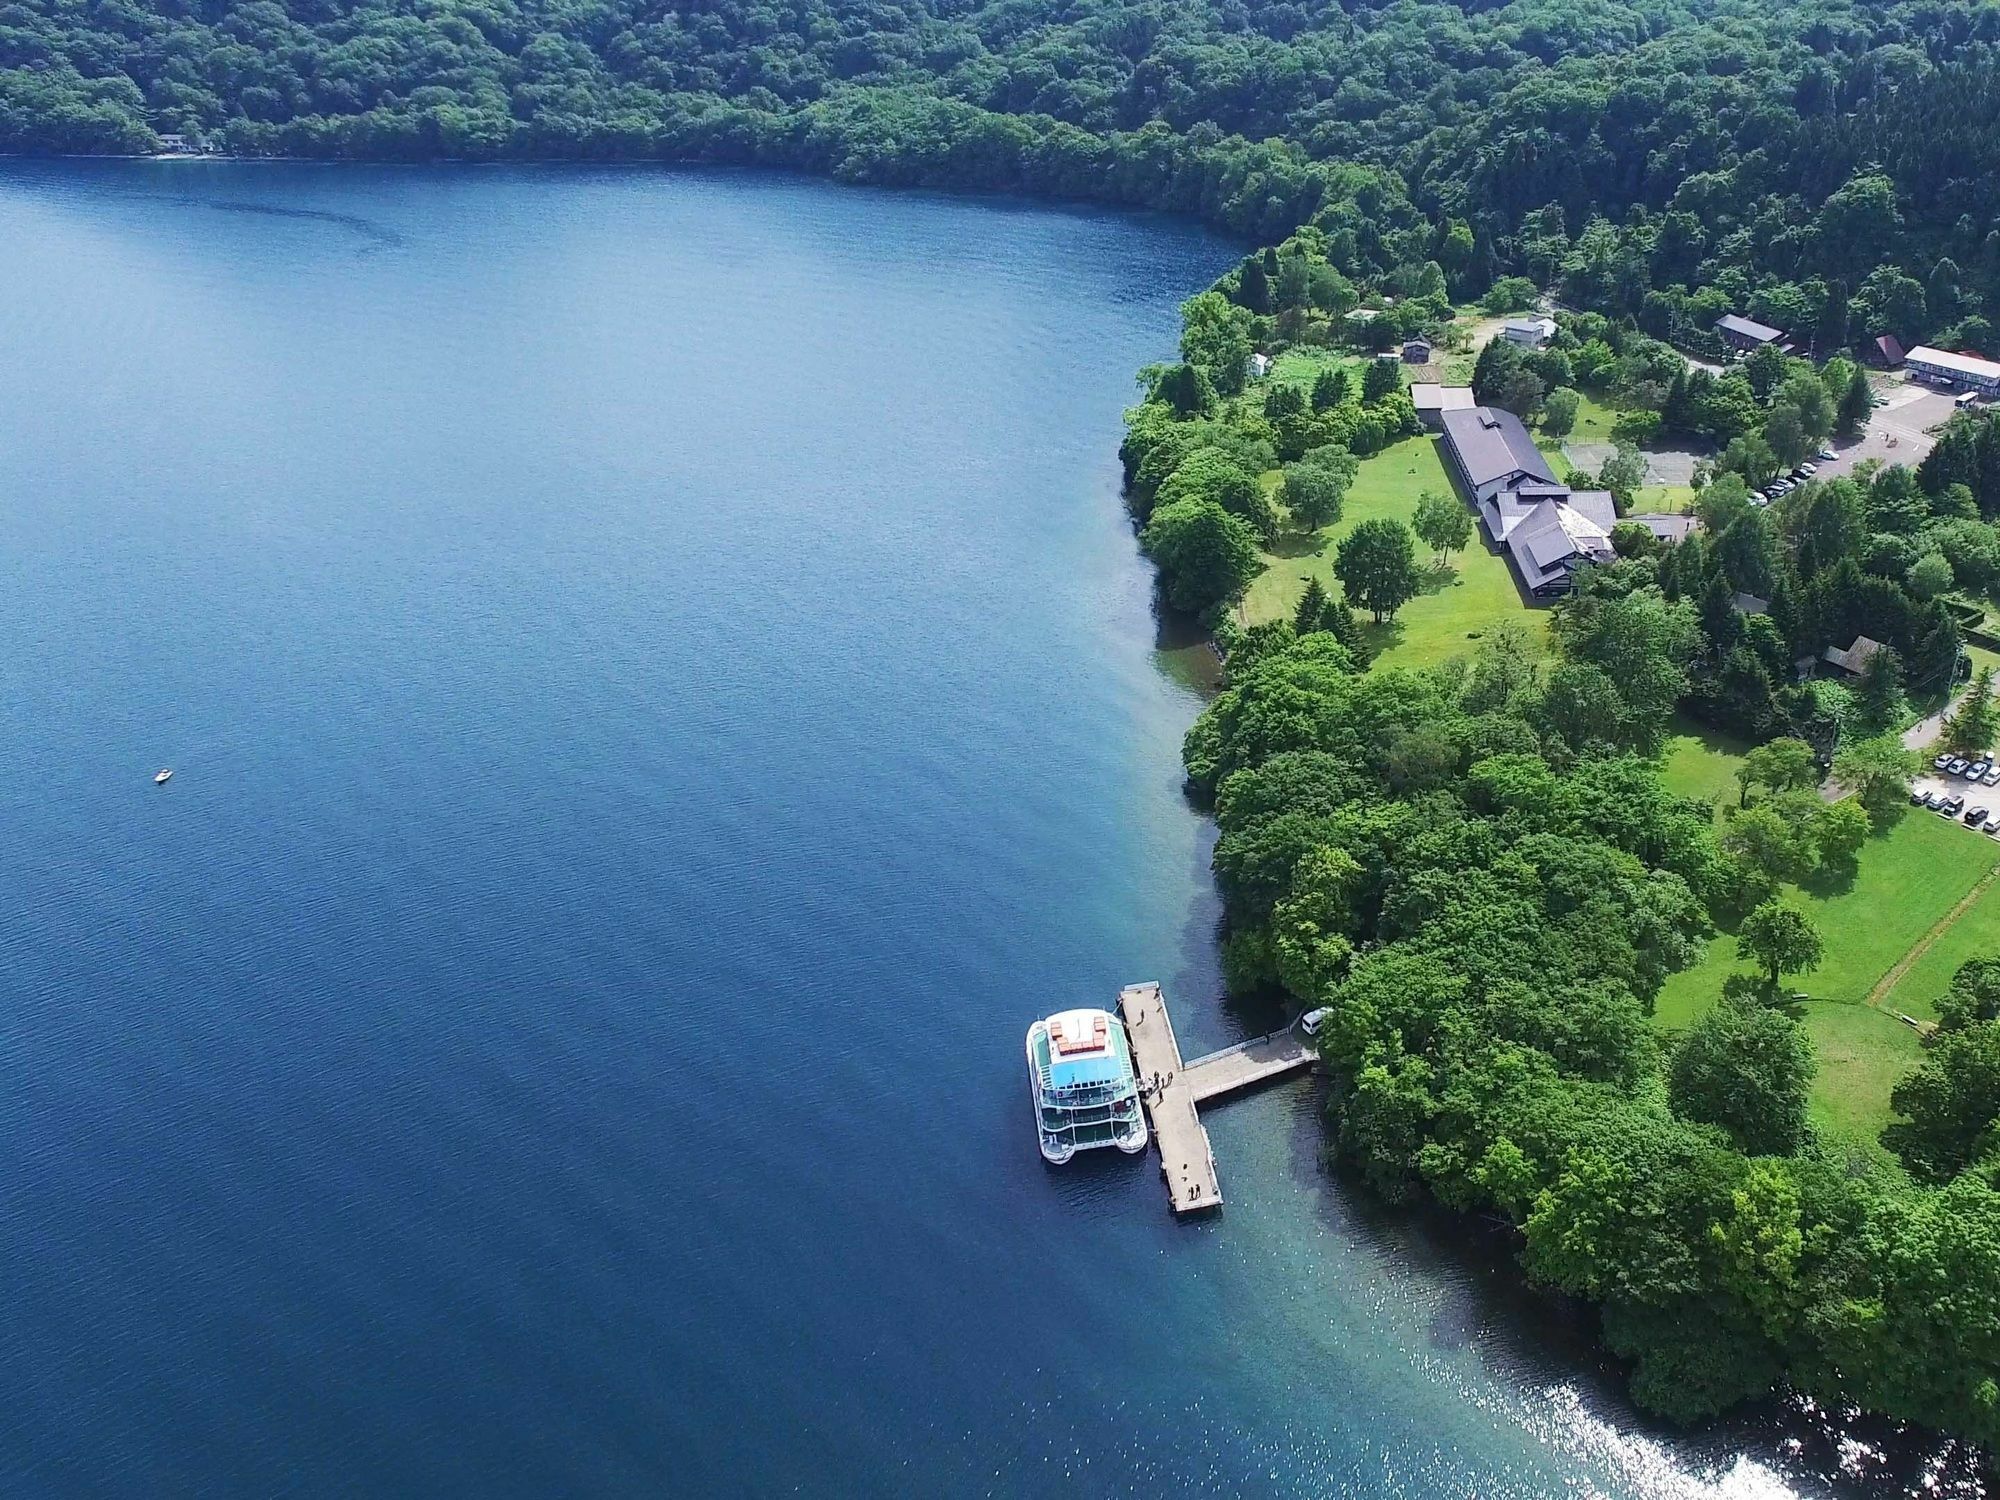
[1700,762]
[1300,366]
[1974,935]
[1909,879]
[1457,604]
[1593,420]
[1862,1054]
[1668,499]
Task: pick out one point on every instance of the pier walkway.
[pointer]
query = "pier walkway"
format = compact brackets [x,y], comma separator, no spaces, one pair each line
[1186,1160]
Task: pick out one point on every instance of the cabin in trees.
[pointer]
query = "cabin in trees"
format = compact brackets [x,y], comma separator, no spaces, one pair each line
[1528,333]
[1547,529]
[1666,527]
[1888,351]
[1959,372]
[1854,660]
[1416,351]
[1260,366]
[1432,401]
[1746,334]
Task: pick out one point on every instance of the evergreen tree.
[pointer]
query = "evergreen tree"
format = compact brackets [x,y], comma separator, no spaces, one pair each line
[1383,378]
[1856,402]
[1254,290]
[1878,696]
[1329,388]
[1311,613]
[1972,727]
[1282,401]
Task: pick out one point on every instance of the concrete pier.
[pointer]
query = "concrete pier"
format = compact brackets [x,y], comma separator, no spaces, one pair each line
[1173,1087]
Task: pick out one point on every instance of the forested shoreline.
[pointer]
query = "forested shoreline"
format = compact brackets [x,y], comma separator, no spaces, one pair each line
[1473,867]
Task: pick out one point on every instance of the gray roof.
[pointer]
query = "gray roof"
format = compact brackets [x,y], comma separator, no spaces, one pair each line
[1748,328]
[1557,535]
[1750,604]
[1492,444]
[1428,395]
[1668,528]
[1855,657]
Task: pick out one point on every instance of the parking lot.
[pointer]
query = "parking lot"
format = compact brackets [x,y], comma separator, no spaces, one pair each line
[1940,785]
[1896,433]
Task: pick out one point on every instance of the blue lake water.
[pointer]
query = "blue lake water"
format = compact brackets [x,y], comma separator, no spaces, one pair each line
[662,691]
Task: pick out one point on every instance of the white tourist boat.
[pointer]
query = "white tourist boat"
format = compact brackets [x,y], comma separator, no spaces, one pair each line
[1086,1093]
[164,777]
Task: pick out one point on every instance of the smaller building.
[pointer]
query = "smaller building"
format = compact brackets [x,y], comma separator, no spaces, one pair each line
[1260,366]
[1746,334]
[1528,333]
[1432,401]
[1854,660]
[1888,351]
[1417,352]
[1958,372]
[1666,528]
[1750,604]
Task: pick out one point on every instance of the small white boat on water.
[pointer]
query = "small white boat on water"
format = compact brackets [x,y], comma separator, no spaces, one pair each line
[1085,1091]
[164,777]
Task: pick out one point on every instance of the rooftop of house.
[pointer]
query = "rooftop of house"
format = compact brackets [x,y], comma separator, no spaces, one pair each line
[1490,443]
[1668,528]
[1428,395]
[1748,328]
[1855,658]
[1557,534]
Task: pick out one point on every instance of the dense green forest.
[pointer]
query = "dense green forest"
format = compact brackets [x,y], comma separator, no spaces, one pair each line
[1474,867]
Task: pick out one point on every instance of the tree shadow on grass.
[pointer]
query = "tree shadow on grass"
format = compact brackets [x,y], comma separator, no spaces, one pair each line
[1384,637]
[1828,881]
[1297,544]
[1437,578]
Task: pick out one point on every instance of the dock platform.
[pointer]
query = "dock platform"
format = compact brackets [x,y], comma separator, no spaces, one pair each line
[1174,1087]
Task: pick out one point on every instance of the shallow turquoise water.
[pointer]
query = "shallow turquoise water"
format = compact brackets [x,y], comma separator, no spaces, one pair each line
[662,691]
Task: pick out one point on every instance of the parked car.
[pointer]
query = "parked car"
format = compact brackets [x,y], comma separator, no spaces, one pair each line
[1919,797]
[1312,1020]
[1805,471]
[1827,455]
[1978,769]
[1951,806]
[1991,778]
[1941,761]
[1975,817]
[1957,767]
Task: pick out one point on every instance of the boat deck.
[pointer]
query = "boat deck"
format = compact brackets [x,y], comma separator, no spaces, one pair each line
[1186,1159]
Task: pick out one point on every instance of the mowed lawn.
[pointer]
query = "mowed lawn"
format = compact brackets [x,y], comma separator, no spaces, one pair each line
[1700,762]
[1458,603]
[1976,934]
[1863,1052]
[1909,880]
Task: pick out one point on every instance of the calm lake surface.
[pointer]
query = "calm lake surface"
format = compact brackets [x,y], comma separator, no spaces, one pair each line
[662,691]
